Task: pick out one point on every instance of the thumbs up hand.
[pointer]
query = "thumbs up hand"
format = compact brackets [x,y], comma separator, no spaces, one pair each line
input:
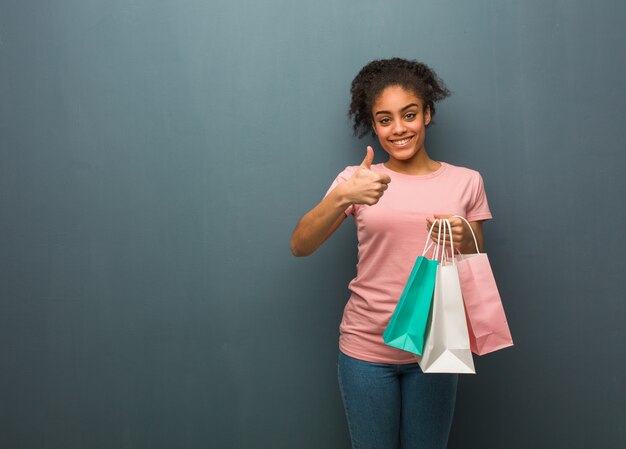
[369,158]
[366,186]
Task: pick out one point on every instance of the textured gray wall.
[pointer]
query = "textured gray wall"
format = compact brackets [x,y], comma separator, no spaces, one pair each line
[156,154]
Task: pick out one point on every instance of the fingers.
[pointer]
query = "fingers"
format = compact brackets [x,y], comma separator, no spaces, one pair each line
[442,235]
[368,186]
[369,158]
[367,164]
[438,234]
[429,223]
[378,193]
[455,223]
[445,239]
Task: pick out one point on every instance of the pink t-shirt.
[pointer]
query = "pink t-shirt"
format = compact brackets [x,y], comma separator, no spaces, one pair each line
[391,234]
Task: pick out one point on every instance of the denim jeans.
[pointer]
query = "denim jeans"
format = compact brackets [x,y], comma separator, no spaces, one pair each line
[396,406]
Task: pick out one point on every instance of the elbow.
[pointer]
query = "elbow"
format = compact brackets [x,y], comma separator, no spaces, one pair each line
[297,250]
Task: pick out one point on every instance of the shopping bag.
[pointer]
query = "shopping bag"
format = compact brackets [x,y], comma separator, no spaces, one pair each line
[407,326]
[486,321]
[447,347]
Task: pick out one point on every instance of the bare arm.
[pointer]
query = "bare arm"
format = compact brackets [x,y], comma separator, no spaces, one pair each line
[470,247]
[317,225]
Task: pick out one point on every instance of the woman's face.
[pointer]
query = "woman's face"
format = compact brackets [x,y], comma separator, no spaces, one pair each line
[400,122]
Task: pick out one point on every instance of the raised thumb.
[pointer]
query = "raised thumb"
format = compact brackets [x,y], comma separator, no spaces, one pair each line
[369,158]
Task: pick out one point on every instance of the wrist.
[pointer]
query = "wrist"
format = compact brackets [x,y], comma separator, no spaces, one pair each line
[341,197]
[468,247]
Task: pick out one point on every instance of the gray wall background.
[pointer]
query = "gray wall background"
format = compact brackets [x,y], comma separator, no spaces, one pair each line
[156,155]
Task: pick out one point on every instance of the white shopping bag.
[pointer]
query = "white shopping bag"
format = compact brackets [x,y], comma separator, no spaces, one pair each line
[447,347]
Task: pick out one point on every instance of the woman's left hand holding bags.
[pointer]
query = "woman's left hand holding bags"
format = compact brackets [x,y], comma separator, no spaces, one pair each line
[463,238]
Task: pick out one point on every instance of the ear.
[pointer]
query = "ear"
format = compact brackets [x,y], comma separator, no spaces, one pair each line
[427,116]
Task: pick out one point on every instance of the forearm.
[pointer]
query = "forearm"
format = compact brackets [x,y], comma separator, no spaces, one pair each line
[319,223]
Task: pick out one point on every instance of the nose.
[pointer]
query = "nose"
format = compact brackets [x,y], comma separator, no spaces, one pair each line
[398,127]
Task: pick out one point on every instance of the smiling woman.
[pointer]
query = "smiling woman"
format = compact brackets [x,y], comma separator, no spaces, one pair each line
[400,121]
[389,401]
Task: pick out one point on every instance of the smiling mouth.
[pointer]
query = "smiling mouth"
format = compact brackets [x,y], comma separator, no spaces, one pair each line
[402,142]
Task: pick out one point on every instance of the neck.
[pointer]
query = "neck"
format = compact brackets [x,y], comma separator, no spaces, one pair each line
[420,164]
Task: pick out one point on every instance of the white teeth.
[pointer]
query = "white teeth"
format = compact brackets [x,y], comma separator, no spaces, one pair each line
[401,142]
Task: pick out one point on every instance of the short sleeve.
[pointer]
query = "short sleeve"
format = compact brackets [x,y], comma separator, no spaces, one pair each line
[341,178]
[478,209]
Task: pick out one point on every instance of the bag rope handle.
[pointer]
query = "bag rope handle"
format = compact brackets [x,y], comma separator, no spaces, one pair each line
[447,223]
[428,246]
[471,230]
[429,243]
[441,241]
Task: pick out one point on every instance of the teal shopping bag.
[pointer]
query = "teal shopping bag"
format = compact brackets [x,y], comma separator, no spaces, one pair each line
[407,327]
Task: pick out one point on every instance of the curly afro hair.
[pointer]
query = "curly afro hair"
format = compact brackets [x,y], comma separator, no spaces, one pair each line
[413,76]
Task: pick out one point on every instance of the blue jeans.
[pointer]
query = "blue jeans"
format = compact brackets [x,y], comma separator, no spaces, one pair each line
[396,406]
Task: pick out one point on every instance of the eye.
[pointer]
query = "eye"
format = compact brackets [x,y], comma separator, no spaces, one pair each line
[410,116]
[385,121]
